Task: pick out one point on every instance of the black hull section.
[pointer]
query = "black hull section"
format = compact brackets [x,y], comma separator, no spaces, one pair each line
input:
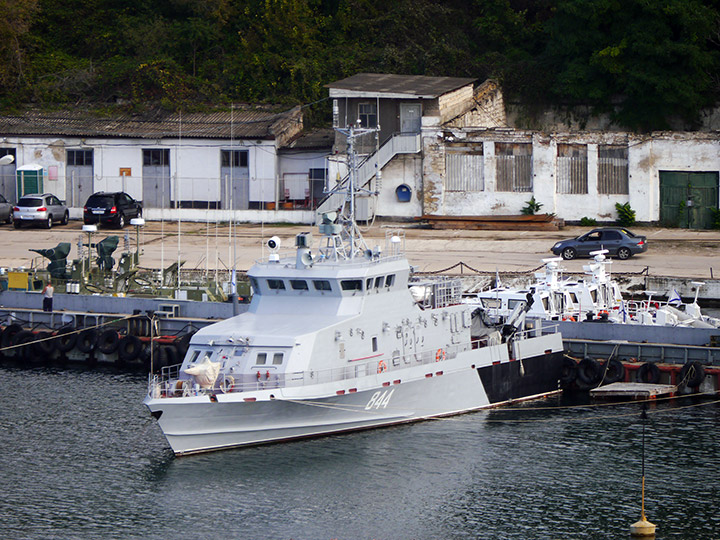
[504,382]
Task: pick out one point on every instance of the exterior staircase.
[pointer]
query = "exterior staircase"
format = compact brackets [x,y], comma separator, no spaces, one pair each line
[399,143]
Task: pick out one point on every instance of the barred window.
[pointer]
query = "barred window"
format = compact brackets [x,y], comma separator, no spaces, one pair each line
[514,166]
[79,157]
[613,169]
[464,169]
[572,176]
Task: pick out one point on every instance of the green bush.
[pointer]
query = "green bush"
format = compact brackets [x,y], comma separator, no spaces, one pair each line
[588,222]
[626,215]
[531,207]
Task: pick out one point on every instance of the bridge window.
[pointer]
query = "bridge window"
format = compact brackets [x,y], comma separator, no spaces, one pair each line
[351,284]
[276,284]
[299,284]
[390,280]
[368,283]
[261,358]
[277,358]
[321,285]
[379,281]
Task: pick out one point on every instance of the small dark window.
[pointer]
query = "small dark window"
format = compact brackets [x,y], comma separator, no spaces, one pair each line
[368,283]
[321,285]
[390,280]
[351,284]
[299,284]
[156,157]
[79,157]
[255,286]
[374,344]
[379,282]
[238,158]
[276,284]
[261,358]
[277,358]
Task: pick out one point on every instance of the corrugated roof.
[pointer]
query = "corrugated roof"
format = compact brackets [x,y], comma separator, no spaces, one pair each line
[417,85]
[239,124]
[317,139]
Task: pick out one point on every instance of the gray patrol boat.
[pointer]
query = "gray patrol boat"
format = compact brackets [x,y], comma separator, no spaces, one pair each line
[340,340]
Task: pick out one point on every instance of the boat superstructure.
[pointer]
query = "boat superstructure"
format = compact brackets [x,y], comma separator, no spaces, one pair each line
[595,297]
[341,339]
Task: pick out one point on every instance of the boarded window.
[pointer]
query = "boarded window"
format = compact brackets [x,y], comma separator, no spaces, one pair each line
[514,166]
[613,169]
[572,168]
[464,169]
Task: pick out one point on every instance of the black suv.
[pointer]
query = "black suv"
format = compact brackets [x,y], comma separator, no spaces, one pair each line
[115,209]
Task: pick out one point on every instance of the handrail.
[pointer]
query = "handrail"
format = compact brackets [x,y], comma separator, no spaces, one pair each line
[169,383]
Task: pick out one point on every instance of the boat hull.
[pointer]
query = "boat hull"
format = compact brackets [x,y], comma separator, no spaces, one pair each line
[198,424]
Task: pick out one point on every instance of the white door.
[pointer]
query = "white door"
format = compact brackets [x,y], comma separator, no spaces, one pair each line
[410,118]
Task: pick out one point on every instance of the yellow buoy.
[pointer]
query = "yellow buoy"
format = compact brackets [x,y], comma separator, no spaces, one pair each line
[643,528]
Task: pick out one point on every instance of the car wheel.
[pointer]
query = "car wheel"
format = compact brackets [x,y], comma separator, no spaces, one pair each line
[65,219]
[569,253]
[48,223]
[623,253]
[121,221]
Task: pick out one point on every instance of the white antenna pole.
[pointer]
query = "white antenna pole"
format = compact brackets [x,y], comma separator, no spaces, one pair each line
[177,199]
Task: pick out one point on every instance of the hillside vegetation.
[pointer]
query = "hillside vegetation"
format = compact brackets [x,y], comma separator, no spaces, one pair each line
[645,62]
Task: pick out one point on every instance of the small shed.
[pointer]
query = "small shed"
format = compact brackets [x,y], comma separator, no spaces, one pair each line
[30,179]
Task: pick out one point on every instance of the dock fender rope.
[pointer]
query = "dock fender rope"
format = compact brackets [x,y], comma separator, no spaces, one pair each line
[692,374]
[614,371]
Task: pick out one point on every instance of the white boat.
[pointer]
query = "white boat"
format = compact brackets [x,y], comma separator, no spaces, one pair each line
[341,340]
[596,297]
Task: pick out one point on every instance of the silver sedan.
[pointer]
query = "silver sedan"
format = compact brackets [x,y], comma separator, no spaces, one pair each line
[45,209]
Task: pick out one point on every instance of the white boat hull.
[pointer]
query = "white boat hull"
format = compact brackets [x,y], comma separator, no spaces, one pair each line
[198,424]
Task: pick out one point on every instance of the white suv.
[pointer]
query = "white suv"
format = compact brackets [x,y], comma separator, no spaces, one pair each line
[45,209]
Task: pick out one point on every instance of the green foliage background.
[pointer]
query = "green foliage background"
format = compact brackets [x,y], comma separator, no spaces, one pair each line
[646,63]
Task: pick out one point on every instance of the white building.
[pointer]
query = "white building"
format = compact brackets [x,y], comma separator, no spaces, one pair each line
[447,147]
[236,164]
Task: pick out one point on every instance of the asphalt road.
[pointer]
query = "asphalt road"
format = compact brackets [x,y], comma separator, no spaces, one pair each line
[671,252]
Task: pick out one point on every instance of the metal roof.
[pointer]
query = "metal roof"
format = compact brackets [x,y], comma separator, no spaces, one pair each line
[316,139]
[238,124]
[386,85]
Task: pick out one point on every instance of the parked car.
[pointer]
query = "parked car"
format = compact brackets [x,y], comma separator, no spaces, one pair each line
[619,242]
[6,210]
[116,209]
[45,209]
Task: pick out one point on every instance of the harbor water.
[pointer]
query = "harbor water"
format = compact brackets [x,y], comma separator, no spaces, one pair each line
[82,458]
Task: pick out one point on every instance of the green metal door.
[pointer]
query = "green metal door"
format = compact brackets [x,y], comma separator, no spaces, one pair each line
[686,199]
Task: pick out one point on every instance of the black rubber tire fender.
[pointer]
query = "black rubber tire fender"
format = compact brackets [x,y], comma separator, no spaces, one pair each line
[9,333]
[129,348]
[648,373]
[692,374]
[87,340]
[589,371]
[568,371]
[66,339]
[614,371]
[24,338]
[183,343]
[43,347]
[108,341]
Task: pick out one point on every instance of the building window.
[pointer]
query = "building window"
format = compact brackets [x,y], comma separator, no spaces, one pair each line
[234,158]
[367,114]
[156,157]
[514,167]
[464,169]
[572,176]
[613,170]
[79,157]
